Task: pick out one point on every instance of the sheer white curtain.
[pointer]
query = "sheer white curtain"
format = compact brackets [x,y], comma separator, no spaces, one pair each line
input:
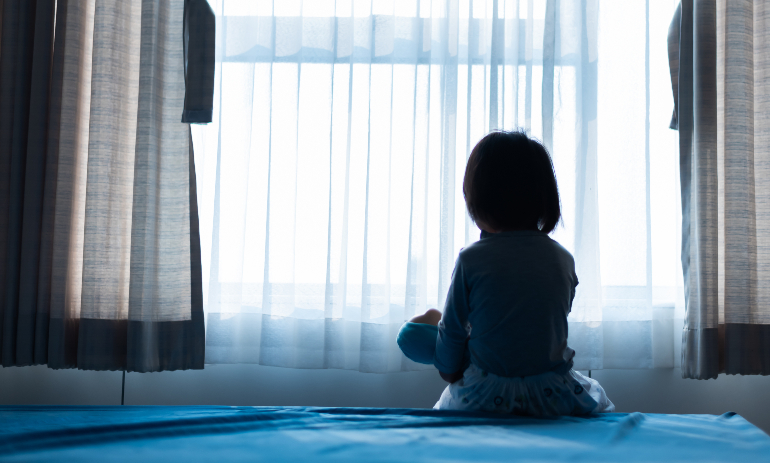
[330,180]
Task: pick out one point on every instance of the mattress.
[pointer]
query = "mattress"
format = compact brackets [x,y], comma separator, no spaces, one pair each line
[276,434]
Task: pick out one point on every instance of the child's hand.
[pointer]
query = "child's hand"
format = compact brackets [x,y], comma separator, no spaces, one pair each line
[431,317]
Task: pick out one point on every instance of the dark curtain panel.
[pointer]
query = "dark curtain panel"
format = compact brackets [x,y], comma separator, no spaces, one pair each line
[720,57]
[99,241]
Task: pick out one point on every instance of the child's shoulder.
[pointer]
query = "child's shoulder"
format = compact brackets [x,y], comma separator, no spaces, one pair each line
[474,248]
[561,249]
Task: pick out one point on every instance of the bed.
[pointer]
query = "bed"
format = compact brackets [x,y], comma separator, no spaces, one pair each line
[209,433]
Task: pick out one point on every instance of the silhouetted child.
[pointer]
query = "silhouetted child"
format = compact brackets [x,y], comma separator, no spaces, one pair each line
[501,342]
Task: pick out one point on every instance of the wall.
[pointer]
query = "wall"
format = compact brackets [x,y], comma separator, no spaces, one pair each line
[652,391]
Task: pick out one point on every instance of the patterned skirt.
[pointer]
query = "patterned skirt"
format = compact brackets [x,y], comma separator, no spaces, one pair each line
[545,395]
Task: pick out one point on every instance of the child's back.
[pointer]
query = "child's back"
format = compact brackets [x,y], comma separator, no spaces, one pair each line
[515,289]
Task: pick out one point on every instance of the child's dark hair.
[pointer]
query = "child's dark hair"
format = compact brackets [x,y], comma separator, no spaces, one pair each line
[510,184]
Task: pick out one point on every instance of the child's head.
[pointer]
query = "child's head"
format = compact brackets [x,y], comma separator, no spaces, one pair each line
[510,184]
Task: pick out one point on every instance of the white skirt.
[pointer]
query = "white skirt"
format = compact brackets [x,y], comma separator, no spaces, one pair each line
[545,395]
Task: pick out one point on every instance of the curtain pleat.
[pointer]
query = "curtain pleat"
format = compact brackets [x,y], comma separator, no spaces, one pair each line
[587,336]
[35,184]
[75,46]
[109,184]
[16,79]
[550,52]
[45,284]
[101,252]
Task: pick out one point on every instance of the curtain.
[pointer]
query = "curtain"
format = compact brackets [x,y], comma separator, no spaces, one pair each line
[330,179]
[99,247]
[723,74]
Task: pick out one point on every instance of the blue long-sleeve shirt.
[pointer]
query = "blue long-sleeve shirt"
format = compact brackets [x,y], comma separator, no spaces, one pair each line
[512,292]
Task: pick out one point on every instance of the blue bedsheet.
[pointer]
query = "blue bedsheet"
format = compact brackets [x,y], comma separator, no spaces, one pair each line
[131,433]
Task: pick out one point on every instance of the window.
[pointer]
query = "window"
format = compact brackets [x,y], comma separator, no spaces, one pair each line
[330,181]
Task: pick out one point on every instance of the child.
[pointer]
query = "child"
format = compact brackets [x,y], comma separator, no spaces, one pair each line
[502,340]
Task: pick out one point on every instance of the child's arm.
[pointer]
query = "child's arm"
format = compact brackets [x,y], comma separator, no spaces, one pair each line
[451,378]
[452,335]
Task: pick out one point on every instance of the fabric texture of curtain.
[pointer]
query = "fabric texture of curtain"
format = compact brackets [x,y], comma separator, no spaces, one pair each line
[721,65]
[330,179]
[99,254]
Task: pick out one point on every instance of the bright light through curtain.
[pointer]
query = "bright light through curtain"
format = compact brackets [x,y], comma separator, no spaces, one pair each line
[330,180]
